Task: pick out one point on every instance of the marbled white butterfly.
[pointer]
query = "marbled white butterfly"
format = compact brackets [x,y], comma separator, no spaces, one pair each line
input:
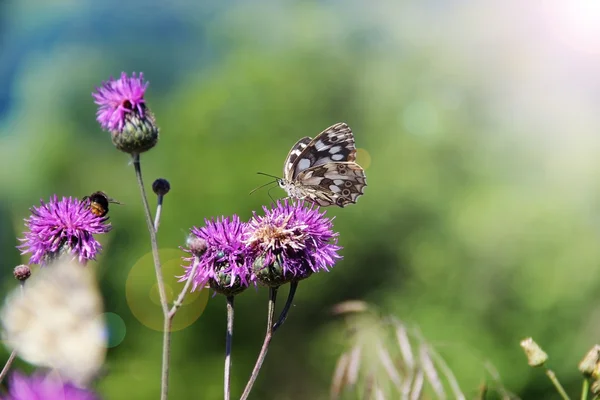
[323,170]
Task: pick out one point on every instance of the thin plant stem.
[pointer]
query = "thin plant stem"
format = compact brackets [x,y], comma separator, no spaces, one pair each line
[557,385]
[288,304]
[265,346]
[158,212]
[13,354]
[166,353]
[585,390]
[228,342]
[8,364]
[179,301]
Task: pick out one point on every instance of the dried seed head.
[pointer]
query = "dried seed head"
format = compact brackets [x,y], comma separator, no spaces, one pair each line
[590,364]
[536,357]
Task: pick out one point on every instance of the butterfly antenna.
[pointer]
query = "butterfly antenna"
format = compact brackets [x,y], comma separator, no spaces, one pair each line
[269,193]
[272,176]
[262,186]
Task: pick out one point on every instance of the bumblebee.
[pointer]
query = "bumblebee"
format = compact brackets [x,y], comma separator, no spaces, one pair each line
[99,203]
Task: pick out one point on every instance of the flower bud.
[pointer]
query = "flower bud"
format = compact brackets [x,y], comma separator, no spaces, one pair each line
[161,187]
[196,245]
[22,272]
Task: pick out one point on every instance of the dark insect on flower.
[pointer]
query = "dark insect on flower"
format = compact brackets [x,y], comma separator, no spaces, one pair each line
[99,203]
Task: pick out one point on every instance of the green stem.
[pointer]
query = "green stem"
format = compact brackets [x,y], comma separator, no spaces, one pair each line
[265,346]
[286,308]
[585,390]
[557,384]
[166,353]
[228,343]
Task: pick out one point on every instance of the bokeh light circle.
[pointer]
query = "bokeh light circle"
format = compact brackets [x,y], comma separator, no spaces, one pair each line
[363,158]
[115,329]
[142,295]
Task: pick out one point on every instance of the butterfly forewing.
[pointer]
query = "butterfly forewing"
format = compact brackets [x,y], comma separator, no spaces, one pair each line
[292,156]
[334,144]
[323,169]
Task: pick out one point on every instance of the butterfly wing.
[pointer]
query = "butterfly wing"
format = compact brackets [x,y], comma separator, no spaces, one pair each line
[292,157]
[339,183]
[334,144]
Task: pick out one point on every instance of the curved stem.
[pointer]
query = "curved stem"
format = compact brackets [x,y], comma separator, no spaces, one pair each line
[164,387]
[265,346]
[228,342]
[288,304]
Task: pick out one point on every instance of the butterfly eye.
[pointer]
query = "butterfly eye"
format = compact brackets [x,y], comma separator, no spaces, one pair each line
[220,256]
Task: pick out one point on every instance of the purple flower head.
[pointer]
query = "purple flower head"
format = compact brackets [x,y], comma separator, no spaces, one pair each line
[117,98]
[294,238]
[41,387]
[62,225]
[223,261]
[123,112]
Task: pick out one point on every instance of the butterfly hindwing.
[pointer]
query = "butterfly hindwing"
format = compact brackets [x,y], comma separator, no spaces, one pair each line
[339,183]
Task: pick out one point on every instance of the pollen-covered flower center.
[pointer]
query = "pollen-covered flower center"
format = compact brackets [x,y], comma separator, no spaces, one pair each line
[277,236]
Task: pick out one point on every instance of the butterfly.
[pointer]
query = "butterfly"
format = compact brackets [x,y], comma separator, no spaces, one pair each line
[323,170]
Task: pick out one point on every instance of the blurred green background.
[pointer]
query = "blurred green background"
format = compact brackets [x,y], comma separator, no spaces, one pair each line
[478,124]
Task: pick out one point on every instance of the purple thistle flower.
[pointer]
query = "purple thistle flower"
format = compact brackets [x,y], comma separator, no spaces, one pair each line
[117,98]
[41,387]
[123,112]
[62,225]
[294,238]
[223,261]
